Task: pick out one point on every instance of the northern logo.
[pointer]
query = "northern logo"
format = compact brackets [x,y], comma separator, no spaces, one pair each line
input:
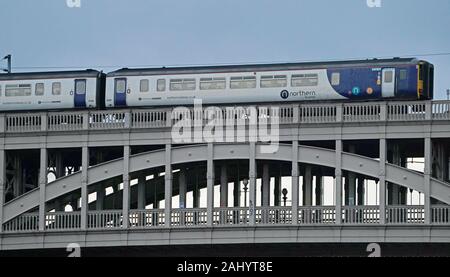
[284,94]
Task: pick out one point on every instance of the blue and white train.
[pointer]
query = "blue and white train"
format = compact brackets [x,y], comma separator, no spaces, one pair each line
[390,79]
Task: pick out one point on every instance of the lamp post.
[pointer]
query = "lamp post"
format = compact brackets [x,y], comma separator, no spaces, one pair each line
[284,192]
[8,58]
[448,94]
[245,182]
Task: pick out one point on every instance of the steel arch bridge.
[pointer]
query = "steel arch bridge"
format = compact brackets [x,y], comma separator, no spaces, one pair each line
[101,178]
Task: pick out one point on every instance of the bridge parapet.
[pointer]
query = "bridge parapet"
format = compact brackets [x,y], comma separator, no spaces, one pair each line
[167,117]
[229,217]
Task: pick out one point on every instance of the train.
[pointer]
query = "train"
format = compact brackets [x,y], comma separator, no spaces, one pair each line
[356,80]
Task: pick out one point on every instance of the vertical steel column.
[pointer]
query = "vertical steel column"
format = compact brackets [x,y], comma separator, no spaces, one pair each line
[84,190]
[338,176]
[295,179]
[168,186]
[427,180]
[223,186]
[2,185]
[266,186]
[42,187]
[126,187]
[141,192]
[210,184]
[182,188]
[382,178]
[252,177]
[307,186]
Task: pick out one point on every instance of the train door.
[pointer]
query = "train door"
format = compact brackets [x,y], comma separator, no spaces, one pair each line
[80,93]
[120,89]
[388,83]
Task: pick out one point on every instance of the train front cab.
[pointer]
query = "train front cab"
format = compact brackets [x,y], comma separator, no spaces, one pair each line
[425,84]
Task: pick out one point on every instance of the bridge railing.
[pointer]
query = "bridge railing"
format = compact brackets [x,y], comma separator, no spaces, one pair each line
[405,214]
[231,216]
[273,215]
[147,218]
[167,117]
[316,215]
[63,221]
[189,217]
[361,215]
[24,223]
[104,219]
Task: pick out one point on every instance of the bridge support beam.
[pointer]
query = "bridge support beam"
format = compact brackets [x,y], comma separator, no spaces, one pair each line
[223,186]
[382,181]
[84,189]
[100,202]
[210,184]
[427,180]
[126,186]
[277,188]
[319,189]
[295,185]
[307,186]
[361,191]
[338,177]
[2,185]
[42,187]
[182,188]
[168,186]
[252,177]
[265,183]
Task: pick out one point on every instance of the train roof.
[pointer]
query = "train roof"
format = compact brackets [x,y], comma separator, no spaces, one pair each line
[255,67]
[89,73]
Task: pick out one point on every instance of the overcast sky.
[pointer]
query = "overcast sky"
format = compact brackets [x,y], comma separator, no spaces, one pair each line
[119,33]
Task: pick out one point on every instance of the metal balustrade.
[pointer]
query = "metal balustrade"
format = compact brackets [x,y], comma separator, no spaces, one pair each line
[316,215]
[231,216]
[63,221]
[147,218]
[405,214]
[361,215]
[273,215]
[23,223]
[189,217]
[440,215]
[228,217]
[104,219]
[167,117]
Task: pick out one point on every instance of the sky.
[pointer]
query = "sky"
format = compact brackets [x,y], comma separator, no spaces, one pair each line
[110,34]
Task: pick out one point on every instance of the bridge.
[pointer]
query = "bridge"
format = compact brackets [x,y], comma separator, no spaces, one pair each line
[375,172]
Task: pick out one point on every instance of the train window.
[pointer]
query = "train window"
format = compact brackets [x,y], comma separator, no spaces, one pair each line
[243,82]
[276,81]
[121,85]
[403,74]
[56,88]
[39,89]
[182,84]
[212,83]
[80,86]
[336,79]
[388,76]
[305,80]
[18,90]
[161,85]
[144,86]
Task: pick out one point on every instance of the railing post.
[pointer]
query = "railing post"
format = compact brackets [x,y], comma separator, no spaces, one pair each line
[338,174]
[252,177]
[428,110]
[86,116]
[168,186]
[339,113]
[210,184]
[169,118]
[84,183]
[2,123]
[2,185]
[42,186]
[382,180]
[44,122]
[127,123]
[295,181]
[383,112]
[427,180]
[296,113]
[126,187]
